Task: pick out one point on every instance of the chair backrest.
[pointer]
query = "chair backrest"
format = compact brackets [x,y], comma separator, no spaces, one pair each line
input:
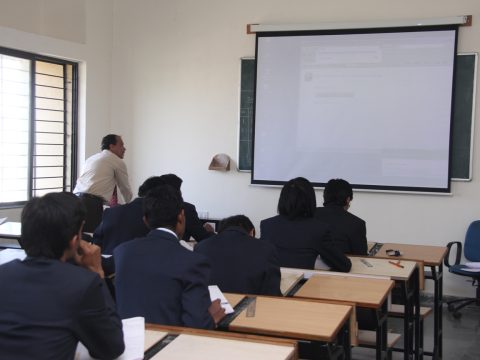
[471,249]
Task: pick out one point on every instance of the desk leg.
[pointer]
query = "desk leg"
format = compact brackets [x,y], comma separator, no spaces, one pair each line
[343,348]
[382,341]
[409,323]
[437,311]
[417,323]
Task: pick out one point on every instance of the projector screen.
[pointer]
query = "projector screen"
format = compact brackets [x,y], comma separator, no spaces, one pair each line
[372,106]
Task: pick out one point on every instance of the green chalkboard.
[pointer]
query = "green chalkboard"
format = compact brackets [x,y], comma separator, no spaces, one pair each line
[462,125]
[247,84]
[463,115]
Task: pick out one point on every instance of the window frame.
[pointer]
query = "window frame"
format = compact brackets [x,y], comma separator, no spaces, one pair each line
[33,58]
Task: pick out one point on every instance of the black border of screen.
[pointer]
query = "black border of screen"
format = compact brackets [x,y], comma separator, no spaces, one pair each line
[360,31]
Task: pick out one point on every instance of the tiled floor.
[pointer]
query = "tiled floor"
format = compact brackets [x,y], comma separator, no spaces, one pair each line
[461,337]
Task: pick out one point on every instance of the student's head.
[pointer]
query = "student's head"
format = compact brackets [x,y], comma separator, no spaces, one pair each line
[50,223]
[297,199]
[237,220]
[163,207]
[337,192]
[149,184]
[172,180]
[115,144]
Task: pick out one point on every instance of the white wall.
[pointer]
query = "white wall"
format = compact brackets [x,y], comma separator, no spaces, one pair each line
[175,99]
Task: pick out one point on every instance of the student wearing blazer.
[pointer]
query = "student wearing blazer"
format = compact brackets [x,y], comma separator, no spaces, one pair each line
[159,279]
[56,296]
[240,262]
[297,236]
[349,230]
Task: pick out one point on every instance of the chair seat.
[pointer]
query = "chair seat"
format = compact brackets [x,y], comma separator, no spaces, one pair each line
[460,270]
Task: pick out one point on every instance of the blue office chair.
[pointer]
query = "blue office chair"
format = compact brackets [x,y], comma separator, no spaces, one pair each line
[472,254]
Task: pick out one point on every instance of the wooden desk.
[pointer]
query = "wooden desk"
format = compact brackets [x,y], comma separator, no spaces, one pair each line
[234,299]
[364,292]
[197,344]
[432,257]
[314,321]
[11,231]
[408,277]
[289,280]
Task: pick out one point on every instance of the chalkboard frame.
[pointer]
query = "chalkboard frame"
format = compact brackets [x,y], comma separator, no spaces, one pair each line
[245,134]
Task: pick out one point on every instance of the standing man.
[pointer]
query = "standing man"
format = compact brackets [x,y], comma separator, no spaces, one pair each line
[349,230]
[103,175]
[56,296]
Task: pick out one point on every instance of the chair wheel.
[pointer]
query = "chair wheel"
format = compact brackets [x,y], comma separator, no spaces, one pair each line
[457,315]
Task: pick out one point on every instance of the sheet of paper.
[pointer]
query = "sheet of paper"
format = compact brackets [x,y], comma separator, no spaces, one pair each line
[134,337]
[215,293]
[8,255]
[2,220]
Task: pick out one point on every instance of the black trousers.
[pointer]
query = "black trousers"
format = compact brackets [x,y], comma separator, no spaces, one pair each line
[94,206]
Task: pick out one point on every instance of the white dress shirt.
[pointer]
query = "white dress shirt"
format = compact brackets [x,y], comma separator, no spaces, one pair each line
[182,242]
[101,173]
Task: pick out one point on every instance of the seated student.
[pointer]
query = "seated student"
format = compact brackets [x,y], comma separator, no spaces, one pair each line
[124,222]
[158,278]
[240,262]
[298,237]
[349,230]
[49,304]
[194,227]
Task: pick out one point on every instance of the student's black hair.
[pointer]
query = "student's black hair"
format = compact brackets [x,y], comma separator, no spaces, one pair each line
[336,192]
[172,180]
[49,223]
[149,184]
[110,139]
[236,220]
[161,207]
[297,199]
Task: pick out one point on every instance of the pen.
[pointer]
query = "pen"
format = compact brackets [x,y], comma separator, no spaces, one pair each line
[396,264]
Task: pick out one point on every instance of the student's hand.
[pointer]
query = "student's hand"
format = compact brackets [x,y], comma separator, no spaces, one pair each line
[89,256]
[208,227]
[216,311]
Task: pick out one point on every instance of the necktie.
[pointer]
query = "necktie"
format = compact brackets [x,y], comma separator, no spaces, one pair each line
[114,199]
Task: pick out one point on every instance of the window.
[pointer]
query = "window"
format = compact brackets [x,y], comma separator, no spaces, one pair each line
[38,119]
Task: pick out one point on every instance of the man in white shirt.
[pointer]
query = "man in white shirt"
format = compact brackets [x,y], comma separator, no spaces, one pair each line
[103,175]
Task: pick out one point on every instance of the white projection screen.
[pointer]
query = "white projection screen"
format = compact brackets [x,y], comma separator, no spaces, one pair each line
[371,106]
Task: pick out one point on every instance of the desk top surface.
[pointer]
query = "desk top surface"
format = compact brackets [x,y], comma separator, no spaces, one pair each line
[297,319]
[210,344]
[430,255]
[289,280]
[196,347]
[233,299]
[382,267]
[10,230]
[364,292]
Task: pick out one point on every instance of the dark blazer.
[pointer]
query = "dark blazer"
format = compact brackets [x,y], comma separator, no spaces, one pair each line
[119,224]
[47,306]
[349,230]
[159,279]
[300,241]
[194,227]
[241,263]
